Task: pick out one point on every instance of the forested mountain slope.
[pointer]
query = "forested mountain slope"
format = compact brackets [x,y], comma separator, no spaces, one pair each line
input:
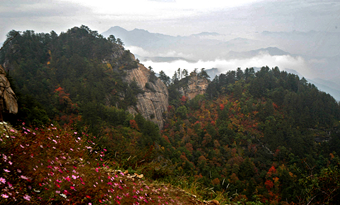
[78,72]
[266,137]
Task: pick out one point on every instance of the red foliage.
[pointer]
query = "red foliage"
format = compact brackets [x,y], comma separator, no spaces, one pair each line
[169,108]
[184,99]
[269,184]
[221,106]
[134,125]
[271,171]
[275,106]
[166,138]
[189,147]
[60,89]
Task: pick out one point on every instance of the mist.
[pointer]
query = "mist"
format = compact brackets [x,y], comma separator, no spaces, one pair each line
[284,62]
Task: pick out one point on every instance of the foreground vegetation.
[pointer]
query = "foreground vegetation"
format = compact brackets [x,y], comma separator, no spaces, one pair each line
[59,165]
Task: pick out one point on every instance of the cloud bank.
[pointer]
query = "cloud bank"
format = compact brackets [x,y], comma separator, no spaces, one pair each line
[284,62]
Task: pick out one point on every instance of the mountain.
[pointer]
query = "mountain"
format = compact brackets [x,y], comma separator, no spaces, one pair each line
[77,72]
[327,86]
[311,43]
[163,59]
[212,72]
[272,51]
[240,135]
[319,51]
[141,38]
[160,45]
[246,136]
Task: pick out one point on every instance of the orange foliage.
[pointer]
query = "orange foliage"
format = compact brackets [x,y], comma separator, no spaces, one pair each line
[269,184]
[183,157]
[202,159]
[233,178]
[275,106]
[189,147]
[271,171]
[216,181]
[166,138]
[184,99]
[133,124]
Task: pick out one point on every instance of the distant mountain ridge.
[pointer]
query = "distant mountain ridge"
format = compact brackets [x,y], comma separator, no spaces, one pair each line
[317,50]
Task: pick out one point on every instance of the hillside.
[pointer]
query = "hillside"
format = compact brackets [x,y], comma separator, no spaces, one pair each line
[264,137]
[79,71]
[258,136]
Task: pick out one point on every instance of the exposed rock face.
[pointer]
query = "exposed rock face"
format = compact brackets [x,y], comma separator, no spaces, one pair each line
[8,100]
[196,86]
[154,101]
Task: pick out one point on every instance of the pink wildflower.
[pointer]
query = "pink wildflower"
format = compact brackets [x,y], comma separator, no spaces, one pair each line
[4,196]
[6,170]
[2,180]
[28,198]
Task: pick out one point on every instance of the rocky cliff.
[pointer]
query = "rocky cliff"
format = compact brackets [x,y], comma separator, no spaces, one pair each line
[8,100]
[196,86]
[154,101]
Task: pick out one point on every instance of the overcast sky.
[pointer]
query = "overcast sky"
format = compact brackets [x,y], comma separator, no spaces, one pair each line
[173,17]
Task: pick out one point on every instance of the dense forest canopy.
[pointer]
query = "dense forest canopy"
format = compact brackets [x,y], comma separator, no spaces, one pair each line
[265,136]
[63,76]
[258,134]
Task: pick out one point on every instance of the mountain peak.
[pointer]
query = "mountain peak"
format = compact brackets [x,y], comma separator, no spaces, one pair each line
[116,28]
[206,34]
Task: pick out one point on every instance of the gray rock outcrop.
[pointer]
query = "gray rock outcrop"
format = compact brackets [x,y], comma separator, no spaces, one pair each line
[8,100]
[154,101]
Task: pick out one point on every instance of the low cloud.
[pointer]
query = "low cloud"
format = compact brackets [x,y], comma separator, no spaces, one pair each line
[284,62]
[145,53]
[138,51]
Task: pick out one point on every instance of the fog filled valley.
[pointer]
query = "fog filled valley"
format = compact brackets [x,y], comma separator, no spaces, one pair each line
[313,55]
